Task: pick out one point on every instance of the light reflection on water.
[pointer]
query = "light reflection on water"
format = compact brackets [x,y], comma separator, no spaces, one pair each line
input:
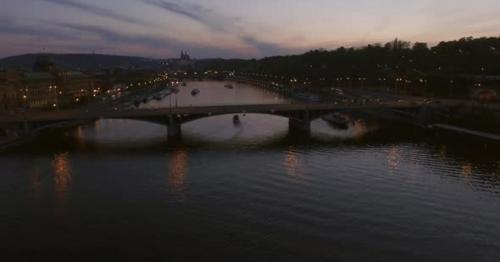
[293,164]
[348,195]
[393,158]
[63,179]
[177,172]
[467,169]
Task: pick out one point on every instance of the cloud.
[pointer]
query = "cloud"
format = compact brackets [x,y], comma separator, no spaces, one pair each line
[167,44]
[198,13]
[266,48]
[238,42]
[96,10]
[191,11]
[114,37]
[12,28]
[27,38]
[219,23]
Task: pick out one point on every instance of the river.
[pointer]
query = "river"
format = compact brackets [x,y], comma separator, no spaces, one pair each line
[118,190]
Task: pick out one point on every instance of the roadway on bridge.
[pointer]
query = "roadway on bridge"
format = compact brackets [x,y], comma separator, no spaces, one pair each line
[351,99]
[194,110]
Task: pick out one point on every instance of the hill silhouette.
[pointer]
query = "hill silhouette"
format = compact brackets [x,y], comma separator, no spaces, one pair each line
[82,62]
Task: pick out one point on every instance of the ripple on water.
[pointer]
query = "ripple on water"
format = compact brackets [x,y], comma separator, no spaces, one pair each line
[262,196]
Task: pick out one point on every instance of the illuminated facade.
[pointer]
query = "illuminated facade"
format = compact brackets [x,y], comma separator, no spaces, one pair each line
[47,87]
[39,90]
[43,90]
[75,87]
[9,86]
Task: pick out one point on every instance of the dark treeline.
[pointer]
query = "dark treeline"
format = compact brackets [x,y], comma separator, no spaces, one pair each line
[449,68]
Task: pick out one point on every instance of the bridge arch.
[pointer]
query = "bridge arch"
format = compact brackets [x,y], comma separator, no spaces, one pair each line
[156,121]
[299,115]
[298,121]
[189,119]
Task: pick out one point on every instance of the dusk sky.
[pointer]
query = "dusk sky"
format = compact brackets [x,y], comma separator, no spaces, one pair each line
[233,28]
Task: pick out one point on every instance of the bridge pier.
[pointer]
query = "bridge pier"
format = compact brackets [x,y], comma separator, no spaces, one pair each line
[174,129]
[300,123]
[26,129]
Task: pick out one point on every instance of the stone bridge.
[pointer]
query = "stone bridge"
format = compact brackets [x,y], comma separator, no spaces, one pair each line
[300,115]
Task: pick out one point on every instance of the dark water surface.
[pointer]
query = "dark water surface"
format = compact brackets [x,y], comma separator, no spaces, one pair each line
[117,190]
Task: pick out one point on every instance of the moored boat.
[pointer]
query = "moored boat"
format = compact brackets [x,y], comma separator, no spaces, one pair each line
[337,120]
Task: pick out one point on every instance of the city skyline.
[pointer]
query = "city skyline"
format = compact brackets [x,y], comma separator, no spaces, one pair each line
[223,28]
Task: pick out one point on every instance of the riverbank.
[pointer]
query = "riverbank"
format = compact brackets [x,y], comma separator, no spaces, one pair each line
[464,131]
[8,143]
[469,115]
[124,102]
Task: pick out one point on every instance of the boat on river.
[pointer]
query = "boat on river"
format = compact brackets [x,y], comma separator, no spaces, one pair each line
[195,92]
[161,95]
[236,120]
[337,120]
[230,86]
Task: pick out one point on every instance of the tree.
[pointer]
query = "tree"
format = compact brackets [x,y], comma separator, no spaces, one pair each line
[397,45]
[420,47]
